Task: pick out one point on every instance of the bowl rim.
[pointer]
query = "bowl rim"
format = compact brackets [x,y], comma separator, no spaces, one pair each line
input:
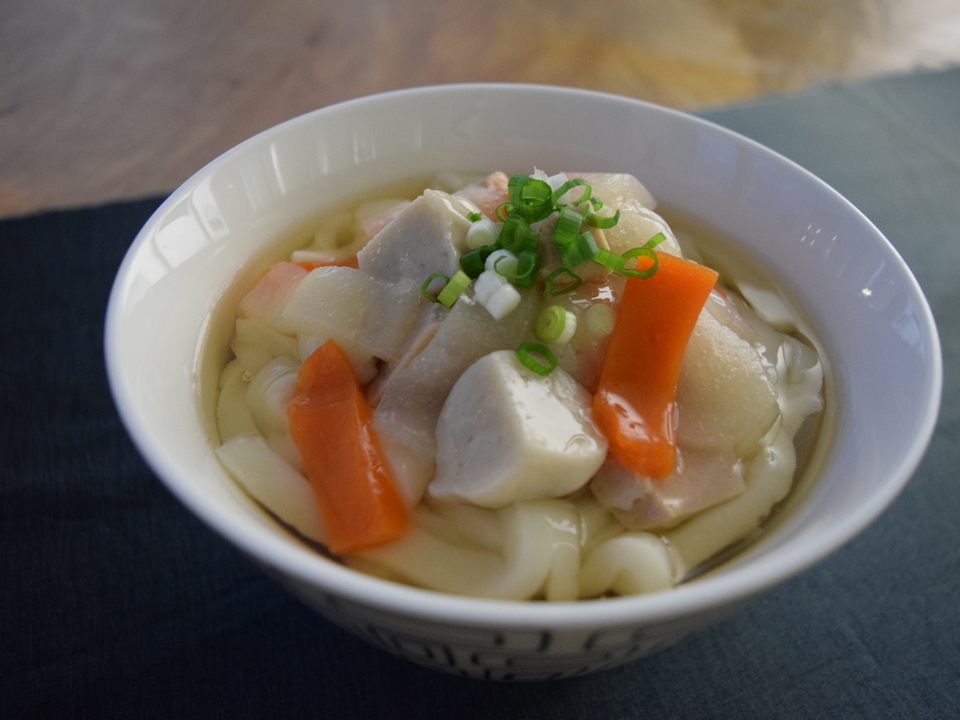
[709,592]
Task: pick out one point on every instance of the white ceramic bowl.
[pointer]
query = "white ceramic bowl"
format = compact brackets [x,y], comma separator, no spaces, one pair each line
[877,331]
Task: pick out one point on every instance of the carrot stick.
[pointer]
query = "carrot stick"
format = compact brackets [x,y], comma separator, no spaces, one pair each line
[355,489]
[635,399]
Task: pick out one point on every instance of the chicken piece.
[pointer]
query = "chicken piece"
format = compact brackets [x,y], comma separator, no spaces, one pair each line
[372,217]
[268,298]
[702,479]
[488,194]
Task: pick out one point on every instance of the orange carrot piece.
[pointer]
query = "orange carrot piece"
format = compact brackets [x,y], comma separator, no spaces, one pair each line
[309,265]
[355,489]
[634,404]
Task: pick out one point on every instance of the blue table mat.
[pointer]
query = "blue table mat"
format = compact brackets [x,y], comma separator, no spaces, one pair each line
[116,603]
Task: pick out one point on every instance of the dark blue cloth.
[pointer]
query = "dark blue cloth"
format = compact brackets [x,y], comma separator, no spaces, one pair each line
[115,602]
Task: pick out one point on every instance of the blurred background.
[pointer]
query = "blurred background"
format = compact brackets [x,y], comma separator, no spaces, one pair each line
[111,99]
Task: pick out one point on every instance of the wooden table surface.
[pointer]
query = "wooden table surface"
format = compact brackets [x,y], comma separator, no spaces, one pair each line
[109,99]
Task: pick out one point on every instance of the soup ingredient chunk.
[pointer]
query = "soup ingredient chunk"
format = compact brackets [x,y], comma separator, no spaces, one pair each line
[635,402]
[507,434]
[426,236]
[329,422]
[725,396]
[412,397]
[352,306]
[701,480]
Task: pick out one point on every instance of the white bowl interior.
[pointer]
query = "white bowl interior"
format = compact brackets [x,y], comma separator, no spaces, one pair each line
[875,325]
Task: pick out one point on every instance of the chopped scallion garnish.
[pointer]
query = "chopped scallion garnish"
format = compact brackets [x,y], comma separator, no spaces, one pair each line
[599,221]
[609,259]
[472,261]
[636,271]
[454,288]
[598,320]
[502,262]
[536,357]
[562,281]
[516,235]
[482,232]
[583,248]
[496,294]
[530,198]
[570,185]
[568,226]
[528,261]
[429,288]
[474,217]
[556,325]
[654,241]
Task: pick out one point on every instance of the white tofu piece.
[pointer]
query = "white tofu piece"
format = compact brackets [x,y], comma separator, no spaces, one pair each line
[506,434]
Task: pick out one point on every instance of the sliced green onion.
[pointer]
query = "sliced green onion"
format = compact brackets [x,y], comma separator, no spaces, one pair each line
[636,253]
[609,259]
[568,186]
[425,288]
[598,320]
[557,285]
[532,199]
[556,325]
[494,259]
[454,288]
[654,241]
[506,265]
[498,296]
[516,235]
[472,261]
[602,222]
[536,357]
[568,225]
[504,300]
[482,232]
[486,285]
[503,211]
[578,251]
[528,262]
[473,217]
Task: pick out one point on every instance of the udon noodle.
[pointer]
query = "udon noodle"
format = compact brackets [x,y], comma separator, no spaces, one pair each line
[483,405]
